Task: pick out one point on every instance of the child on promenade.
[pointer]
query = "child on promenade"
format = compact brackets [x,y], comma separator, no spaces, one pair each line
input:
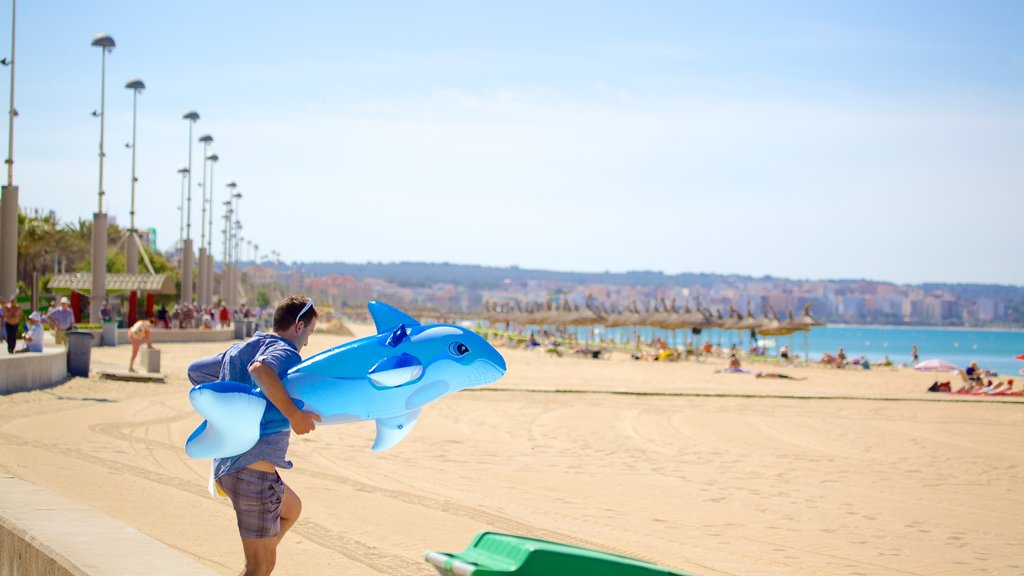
[265,507]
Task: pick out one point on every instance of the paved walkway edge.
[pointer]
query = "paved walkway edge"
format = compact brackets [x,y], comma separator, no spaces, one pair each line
[45,534]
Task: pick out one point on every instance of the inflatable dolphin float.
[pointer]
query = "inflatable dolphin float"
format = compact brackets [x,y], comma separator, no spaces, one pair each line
[387,378]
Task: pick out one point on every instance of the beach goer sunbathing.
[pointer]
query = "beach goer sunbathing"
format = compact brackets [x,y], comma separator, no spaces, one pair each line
[734,366]
[776,375]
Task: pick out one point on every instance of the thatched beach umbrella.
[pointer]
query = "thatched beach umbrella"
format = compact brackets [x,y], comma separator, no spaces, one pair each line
[748,322]
[808,322]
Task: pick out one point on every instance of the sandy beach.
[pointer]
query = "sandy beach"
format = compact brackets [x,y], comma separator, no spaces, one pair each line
[844,472]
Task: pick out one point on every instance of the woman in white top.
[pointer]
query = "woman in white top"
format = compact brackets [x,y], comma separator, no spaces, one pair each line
[139,333]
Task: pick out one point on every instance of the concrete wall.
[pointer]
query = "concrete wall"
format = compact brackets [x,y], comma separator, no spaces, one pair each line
[45,534]
[175,335]
[33,370]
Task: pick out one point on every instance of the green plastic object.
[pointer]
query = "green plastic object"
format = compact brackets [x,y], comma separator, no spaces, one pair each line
[493,554]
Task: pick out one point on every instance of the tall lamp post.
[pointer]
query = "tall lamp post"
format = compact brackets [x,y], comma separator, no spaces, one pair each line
[206,139]
[99,221]
[225,276]
[181,212]
[132,247]
[186,262]
[132,252]
[212,159]
[236,225]
[9,198]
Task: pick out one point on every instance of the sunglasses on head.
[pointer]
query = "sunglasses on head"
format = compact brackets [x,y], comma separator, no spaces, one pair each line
[309,304]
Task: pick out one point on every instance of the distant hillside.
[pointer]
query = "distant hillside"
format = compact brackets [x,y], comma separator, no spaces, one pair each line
[484,277]
[421,274]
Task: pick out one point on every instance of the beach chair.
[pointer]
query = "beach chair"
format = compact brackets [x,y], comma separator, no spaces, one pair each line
[493,554]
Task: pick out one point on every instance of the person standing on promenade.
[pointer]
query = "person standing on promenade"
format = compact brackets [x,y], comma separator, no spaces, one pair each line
[12,322]
[265,507]
[61,319]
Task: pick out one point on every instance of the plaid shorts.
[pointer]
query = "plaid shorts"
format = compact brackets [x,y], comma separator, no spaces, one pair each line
[256,496]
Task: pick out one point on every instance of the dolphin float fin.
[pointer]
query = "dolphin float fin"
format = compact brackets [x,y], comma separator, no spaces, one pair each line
[391,431]
[387,319]
[394,371]
[233,412]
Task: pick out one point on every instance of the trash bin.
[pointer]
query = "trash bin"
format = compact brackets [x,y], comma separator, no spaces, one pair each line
[109,333]
[239,330]
[248,328]
[79,351]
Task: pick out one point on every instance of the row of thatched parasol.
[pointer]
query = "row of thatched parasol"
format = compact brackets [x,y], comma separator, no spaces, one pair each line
[659,314]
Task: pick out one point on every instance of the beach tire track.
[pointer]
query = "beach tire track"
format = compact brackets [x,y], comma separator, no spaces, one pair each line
[356,550]
[493,520]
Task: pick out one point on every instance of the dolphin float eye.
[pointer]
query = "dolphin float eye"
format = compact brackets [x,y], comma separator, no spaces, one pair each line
[458,349]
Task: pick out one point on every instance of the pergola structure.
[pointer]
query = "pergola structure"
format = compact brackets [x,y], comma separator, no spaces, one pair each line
[81,283]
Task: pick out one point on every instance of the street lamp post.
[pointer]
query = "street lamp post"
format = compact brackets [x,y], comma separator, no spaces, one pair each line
[181,212]
[186,263]
[229,236]
[99,222]
[212,159]
[9,198]
[206,139]
[132,252]
[236,226]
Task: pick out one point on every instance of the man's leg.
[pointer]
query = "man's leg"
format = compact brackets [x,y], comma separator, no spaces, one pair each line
[261,553]
[291,508]
[260,556]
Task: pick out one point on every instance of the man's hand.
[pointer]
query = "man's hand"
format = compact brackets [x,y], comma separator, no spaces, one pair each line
[303,422]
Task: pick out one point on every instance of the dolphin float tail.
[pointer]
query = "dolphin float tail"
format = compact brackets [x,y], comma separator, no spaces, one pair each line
[391,431]
[232,426]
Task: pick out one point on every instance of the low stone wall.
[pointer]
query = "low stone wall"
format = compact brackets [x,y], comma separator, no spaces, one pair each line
[45,534]
[174,335]
[33,370]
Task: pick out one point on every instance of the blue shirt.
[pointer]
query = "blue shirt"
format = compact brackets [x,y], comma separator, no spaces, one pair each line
[233,365]
[63,318]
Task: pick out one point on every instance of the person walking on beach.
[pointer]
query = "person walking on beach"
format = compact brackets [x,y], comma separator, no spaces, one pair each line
[12,322]
[265,507]
[61,319]
[914,361]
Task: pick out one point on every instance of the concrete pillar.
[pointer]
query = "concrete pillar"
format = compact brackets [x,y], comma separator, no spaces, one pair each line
[233,287]
[186,272]
[225,284]
[201,281]
[131,254]
[210,272]
[9,241]
[99,265]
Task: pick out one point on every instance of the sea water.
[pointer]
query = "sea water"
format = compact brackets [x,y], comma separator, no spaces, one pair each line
[991,349]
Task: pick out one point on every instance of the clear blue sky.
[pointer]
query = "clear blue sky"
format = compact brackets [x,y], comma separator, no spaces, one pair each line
[869,139]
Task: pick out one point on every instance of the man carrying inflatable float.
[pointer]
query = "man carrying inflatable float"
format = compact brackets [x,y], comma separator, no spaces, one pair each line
[256,392]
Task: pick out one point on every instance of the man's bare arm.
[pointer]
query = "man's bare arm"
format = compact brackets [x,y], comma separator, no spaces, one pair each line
[268,381]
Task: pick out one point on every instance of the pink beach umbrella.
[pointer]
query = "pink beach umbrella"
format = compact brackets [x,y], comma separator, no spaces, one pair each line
[936,366]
